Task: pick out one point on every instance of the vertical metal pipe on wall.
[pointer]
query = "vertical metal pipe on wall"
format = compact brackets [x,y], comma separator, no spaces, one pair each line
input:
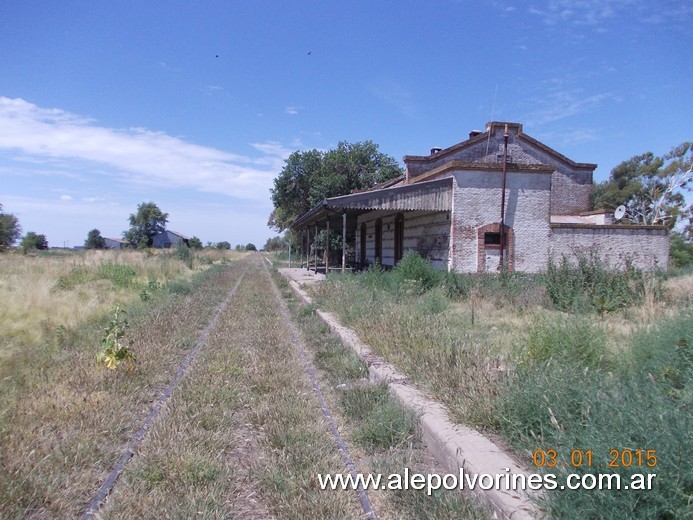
[502,218]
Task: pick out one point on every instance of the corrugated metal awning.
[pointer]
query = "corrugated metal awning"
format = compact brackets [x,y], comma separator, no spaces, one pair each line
[424,196]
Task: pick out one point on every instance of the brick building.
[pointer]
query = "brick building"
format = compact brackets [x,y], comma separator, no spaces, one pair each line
[449,207]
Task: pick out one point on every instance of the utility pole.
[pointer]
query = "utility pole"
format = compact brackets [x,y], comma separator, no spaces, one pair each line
[502,218]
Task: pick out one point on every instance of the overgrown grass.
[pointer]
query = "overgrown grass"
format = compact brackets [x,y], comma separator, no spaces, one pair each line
[47,293]
[579,358]
[592,286]
[382,436]
[244,437]
[382,424]
[63,419]
[642,403]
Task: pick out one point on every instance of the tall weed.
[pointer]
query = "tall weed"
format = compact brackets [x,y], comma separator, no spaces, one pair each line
[566,339]
[591,286]
[642,403]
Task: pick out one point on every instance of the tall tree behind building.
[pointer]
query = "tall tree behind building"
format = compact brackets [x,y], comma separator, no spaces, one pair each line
[145,224]
[651,188]
[309,177]
[94,240]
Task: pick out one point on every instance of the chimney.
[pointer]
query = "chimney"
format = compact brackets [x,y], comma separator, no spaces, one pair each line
[435,150]
[474,133]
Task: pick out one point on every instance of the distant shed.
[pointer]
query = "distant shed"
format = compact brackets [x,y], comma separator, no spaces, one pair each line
[167,239]
[114,243]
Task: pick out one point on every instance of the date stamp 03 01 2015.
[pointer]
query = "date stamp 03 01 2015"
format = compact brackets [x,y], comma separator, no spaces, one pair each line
[623,458]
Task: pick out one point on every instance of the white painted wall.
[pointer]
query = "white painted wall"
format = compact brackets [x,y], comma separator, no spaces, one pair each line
[645,248]
[476,203]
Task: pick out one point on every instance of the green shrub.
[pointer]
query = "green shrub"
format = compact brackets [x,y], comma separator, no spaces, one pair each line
[417,272]
[76,276]
[115,347]
[183,253]
[456,285]
[120,275]
[680,251]
[433,302]
[591,285]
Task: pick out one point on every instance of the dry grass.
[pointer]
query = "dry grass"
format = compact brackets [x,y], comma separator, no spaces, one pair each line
[462,350]
[35,306]
[601,374]
[64,421]
[680,290]
[382,437]
[244,435]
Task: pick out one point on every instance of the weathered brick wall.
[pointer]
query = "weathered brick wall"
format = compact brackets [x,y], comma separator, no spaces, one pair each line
[645,248]
[571,183]
[476,203]
[428,233]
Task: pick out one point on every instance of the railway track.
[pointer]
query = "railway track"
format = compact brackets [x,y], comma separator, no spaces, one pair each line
[241,427]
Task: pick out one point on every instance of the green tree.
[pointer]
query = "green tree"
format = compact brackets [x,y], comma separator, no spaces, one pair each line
[651,188]
[33,241]
[145,224]
[275,244]
[250,247]
[10,230]
[94,240]
[309,177]
[223,245]
[680,251]
[195,243]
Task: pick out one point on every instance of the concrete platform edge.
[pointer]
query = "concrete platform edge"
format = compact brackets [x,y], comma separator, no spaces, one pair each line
[455,446]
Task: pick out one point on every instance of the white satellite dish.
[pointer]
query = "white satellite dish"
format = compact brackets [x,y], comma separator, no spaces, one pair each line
[620,212]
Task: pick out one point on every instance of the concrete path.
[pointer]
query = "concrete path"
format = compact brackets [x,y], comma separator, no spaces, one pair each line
[301,275]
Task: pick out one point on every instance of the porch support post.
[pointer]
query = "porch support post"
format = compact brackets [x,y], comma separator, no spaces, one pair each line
[315,246]
[343,242]
[327,247]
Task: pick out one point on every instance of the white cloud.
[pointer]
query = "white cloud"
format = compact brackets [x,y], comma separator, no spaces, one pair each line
[292,110]
[394,94]
[571,136]
[65,197]
[274,154]
[133,155]
[578,12]
[558,99]
[210,90]
[597,13]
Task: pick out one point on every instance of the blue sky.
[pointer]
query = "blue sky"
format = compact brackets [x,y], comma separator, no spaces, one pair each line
[196,105]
